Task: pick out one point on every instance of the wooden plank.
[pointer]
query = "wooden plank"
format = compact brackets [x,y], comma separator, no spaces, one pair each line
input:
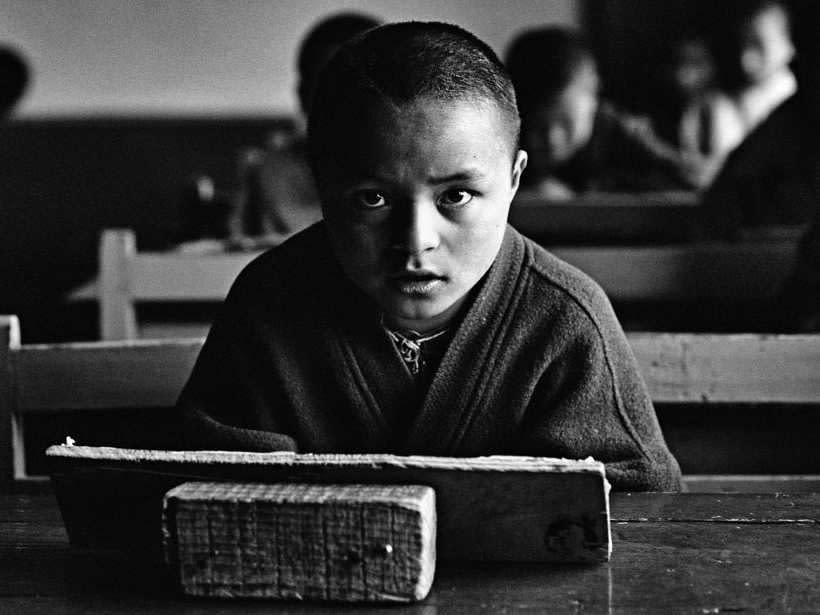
[660,199]
[753,483]
[103,375]
[708,507]
[173,330]
[677,368]
[9,345]
[607,218]
[186,277]
[489,508]
[729,368]
[348,543]
[646,273]
[118,319]
[686,272]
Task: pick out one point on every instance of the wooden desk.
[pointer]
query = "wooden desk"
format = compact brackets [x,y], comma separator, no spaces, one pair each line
[672,553]
[607,218]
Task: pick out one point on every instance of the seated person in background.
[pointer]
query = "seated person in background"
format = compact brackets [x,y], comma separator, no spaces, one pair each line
[754,59]
[575,141]
[276,195]
[413,319]
[767,182]
[696,117]
[765,185]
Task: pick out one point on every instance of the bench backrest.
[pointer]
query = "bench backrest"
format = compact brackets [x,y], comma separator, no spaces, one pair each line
[679,368]
[688,271]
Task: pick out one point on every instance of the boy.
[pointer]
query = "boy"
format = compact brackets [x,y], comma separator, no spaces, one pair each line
[575,141]
[413,320]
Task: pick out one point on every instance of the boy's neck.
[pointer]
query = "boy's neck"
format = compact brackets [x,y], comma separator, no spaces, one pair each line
[425,326]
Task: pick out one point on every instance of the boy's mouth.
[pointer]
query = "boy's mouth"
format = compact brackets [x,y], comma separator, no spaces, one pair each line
[419,282]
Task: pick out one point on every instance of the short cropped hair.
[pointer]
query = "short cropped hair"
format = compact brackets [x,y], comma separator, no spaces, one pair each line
[405,62]
[543,62]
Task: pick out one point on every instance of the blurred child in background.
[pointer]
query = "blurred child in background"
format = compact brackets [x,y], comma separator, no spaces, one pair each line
[765,186]
[276,196]
[696,117]
[754,56]
[577,142]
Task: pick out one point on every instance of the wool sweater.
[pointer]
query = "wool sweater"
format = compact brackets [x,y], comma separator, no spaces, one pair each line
[538,365]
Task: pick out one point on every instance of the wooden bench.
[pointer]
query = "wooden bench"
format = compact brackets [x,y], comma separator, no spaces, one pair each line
[127,278]
[747,271]
[687,369]
[605,218]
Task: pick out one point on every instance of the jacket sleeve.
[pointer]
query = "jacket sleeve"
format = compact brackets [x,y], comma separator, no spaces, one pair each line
[227,402]
[592,401]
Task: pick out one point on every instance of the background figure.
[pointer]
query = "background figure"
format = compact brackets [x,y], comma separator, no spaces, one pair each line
[575,141]
[767,182]
[694,115]
[276,196]
[754,57]
[14,77]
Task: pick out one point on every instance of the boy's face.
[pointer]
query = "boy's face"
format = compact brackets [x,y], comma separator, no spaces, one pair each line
[554,131]
[766,45]
[416,203]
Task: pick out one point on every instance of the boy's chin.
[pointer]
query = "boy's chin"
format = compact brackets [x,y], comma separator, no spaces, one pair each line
[418,314]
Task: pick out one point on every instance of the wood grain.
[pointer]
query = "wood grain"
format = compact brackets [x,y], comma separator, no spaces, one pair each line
[118,318]
[729,368]
[697,271]
[607,218]
[489,508]
[349,543]
[692,368]
[677,270]
[673,560]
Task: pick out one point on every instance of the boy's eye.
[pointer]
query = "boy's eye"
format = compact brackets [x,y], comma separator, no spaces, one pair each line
[455,198]
[370,199]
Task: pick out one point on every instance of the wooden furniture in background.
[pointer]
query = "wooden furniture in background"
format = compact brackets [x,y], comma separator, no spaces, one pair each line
[690,369]
[751,271]
[128,277]
[604,218]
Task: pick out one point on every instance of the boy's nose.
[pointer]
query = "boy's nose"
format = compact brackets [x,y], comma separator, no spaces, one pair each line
[417,230]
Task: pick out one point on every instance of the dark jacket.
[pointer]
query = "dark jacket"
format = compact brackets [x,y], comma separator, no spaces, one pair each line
[537,366]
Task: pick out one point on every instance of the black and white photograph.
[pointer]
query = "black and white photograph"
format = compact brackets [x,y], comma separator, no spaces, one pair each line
[409,306]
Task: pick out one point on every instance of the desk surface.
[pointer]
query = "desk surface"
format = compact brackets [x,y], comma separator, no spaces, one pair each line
[672,553]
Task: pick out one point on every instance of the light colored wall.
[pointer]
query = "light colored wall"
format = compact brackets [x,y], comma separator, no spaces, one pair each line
[206,57]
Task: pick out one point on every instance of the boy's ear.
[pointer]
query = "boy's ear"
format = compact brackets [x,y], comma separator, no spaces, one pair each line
[519,164]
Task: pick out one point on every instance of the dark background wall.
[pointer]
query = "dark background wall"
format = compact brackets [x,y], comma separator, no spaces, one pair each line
[63,181]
